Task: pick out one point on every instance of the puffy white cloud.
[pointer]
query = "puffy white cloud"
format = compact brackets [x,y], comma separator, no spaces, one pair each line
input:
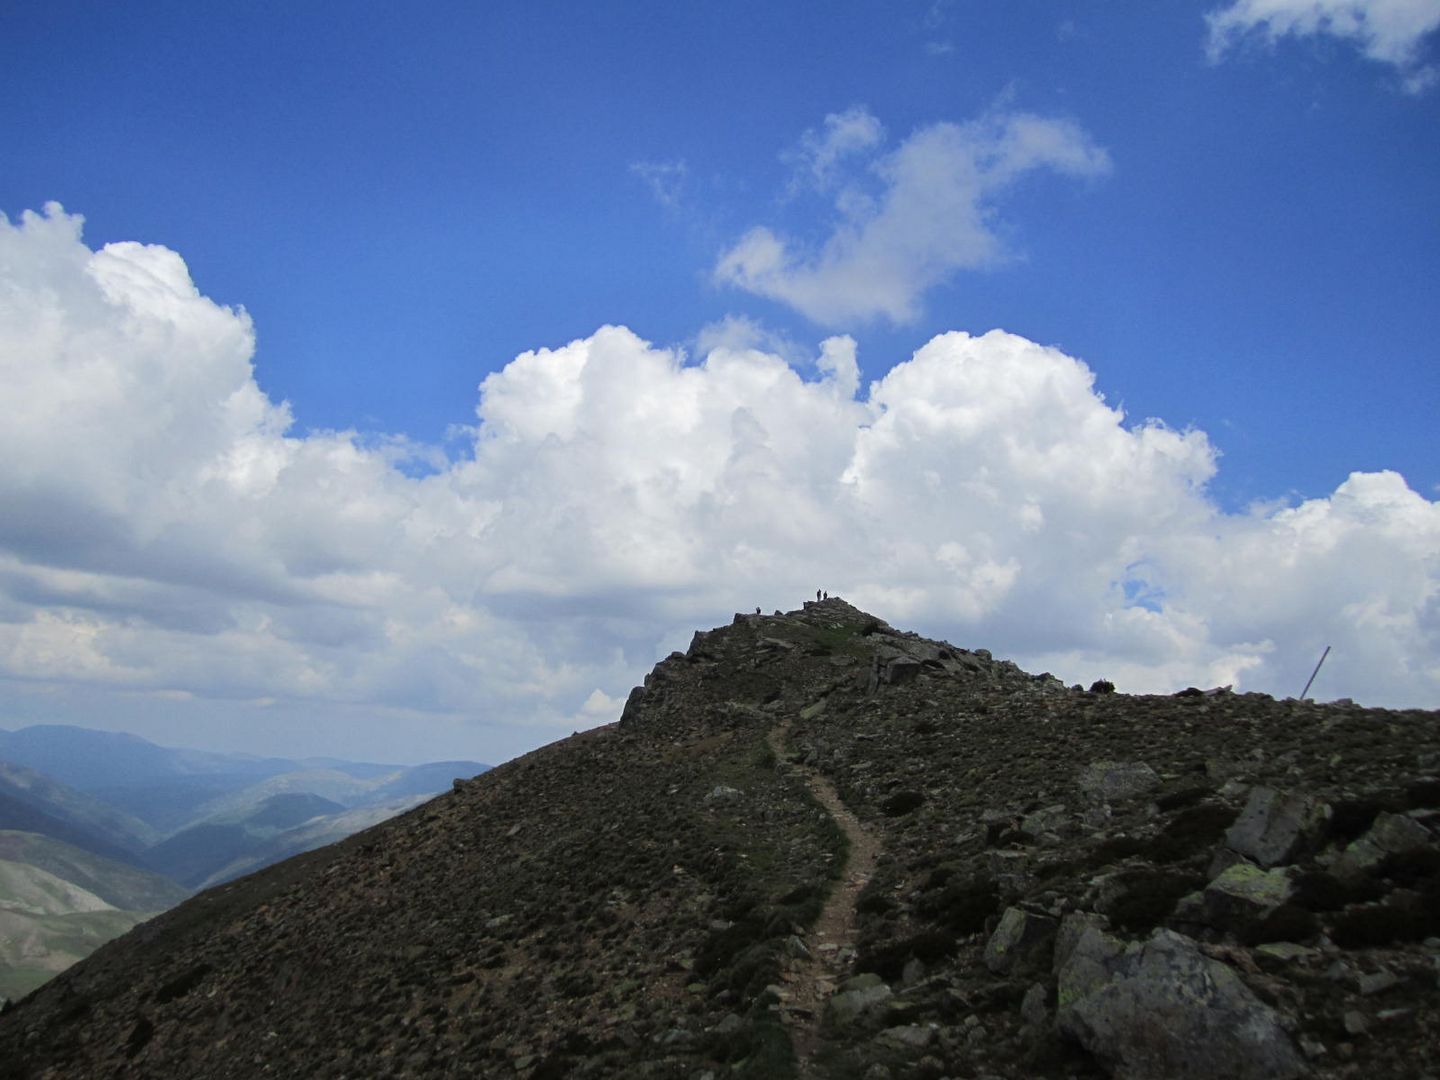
[168,540]
[1389,31]
[915,216]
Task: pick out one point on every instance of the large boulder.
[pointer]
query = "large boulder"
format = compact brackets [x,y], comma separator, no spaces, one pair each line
[1274,828]
[1161,1008]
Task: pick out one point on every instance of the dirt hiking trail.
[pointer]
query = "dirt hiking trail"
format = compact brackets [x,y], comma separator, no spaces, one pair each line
[830,943]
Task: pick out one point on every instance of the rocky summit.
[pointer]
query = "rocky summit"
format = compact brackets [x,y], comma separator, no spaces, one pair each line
[816,846]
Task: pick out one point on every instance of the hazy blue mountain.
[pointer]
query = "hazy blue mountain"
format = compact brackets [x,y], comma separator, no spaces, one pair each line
[193,855]
[30,801]
[170,790]
[88,760]
[423,779]
[287,811]
[164,787]
[313,834]
[360,770]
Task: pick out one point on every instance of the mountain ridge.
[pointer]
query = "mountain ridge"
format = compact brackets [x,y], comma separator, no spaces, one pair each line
[1064,883]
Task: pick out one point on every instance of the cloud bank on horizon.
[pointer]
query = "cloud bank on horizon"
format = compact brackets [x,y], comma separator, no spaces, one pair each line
[168,533]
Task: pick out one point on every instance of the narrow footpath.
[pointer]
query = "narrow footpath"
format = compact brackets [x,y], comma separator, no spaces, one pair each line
[830,943]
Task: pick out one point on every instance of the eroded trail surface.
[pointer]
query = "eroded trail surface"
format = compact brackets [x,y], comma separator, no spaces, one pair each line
[829,946]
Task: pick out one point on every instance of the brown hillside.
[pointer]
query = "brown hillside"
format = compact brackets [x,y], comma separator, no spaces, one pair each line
[816,846]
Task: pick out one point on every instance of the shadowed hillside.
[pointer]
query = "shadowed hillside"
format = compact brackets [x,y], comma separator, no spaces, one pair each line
[817,846]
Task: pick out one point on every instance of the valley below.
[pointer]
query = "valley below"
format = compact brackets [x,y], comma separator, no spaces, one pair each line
[101,831]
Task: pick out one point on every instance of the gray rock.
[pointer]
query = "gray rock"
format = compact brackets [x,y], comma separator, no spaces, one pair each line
[1377,982]
[1113,781]
[1072,927]
[1048,819]
[633,704]
[861,997]
[1391,834]
[900,671]
[1023,942]
[1035,1006]
[1286,951]
[909,1036]
[722,793]
[1162,1009]
[1275,827]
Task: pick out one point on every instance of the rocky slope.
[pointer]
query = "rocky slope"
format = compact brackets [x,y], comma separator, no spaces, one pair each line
[811,832]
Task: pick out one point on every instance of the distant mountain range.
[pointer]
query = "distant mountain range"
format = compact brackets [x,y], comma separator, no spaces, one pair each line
[100,830]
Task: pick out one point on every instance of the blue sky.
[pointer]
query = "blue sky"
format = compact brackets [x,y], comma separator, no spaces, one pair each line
[1229,213]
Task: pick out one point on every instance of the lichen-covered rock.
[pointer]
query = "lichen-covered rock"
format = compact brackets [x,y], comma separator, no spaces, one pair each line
[1244,896]
[1161,1008]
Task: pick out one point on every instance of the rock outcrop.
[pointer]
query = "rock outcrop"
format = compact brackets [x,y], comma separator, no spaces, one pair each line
[1069,883]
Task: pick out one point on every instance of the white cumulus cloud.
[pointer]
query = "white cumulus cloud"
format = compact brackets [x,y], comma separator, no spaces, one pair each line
[910,219]
[1389,31]
[170,542]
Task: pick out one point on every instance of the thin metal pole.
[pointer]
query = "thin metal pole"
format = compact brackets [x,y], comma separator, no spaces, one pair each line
[1314,673]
